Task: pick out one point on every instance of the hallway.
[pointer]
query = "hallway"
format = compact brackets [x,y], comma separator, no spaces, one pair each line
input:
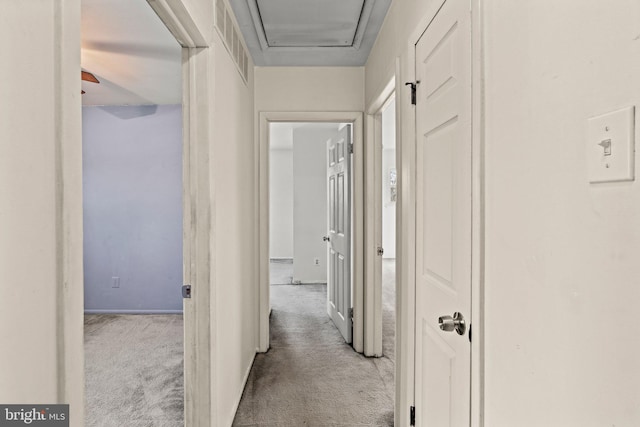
[310,376]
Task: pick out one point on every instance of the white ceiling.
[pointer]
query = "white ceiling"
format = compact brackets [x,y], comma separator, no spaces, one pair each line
[310,32]
[131,52]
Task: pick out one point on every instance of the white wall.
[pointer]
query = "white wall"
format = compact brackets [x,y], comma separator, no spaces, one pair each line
[281,203]
[309,89]
[41,360]
[235,233]
[561,254]
[392,42]
[310,201]
[388,163]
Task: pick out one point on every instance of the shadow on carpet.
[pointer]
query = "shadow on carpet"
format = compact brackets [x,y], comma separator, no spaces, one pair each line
[310,377]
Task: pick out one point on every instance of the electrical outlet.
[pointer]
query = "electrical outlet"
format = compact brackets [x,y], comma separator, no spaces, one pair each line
[316,261]
[115,282]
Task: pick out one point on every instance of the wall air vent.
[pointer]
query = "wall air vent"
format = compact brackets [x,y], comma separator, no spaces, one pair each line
[232,39]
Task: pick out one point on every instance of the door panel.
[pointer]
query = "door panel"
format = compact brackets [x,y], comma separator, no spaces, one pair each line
[443,216]
[339,195]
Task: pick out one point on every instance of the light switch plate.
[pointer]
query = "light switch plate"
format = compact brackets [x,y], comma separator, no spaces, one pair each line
[610,146]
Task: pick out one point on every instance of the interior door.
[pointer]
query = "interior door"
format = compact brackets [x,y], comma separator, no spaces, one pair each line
[339,238]
[443,219]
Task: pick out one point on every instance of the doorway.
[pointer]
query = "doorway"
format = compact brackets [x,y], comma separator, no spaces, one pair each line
[306,219]
[388,198]
[310,374]
[356,210]
[132,210]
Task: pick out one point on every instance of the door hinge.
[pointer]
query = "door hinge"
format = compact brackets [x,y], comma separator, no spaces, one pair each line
[186,291]
[380,251]
[412,416]
[351,313]
[414,86]
[351,148]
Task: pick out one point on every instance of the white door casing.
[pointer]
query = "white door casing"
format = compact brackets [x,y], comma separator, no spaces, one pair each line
[339,231]
[443,217]
[197,200]
[355,118]
[373,221]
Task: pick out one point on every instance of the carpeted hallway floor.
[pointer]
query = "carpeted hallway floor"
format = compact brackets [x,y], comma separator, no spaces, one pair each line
[310,377]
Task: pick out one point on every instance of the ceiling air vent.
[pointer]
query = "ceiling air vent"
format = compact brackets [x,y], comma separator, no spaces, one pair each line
[312,23]
[232,39]
[309,32]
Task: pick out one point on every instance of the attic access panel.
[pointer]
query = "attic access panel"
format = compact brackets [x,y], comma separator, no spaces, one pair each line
[310,23]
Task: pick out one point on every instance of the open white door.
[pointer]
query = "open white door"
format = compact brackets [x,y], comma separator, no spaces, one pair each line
[443,219]
[339,238]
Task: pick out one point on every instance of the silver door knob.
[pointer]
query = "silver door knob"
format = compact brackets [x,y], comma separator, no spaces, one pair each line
[455,323]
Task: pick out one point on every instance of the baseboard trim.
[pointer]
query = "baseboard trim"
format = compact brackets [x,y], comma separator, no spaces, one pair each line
[310,282]
[133,312]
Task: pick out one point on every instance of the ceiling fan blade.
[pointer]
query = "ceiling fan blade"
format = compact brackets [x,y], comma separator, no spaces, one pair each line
[88,77]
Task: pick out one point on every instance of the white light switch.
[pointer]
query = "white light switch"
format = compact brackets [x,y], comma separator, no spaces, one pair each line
[610,146]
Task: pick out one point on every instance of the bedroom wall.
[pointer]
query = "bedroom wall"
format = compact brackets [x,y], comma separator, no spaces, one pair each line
[388,164]
[132,193]
[281,201]
[310,201]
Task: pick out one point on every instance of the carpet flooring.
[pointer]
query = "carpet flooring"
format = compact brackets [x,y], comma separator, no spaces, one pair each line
[134,370]
[310,377]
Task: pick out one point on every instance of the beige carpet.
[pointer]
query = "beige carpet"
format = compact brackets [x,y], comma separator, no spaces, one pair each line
[310,377]
[134,370]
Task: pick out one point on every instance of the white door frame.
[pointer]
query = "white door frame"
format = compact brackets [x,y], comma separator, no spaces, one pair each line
[197,203]
[373,221]
[407,223]
[357,218]
[405,239]
[196,81]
